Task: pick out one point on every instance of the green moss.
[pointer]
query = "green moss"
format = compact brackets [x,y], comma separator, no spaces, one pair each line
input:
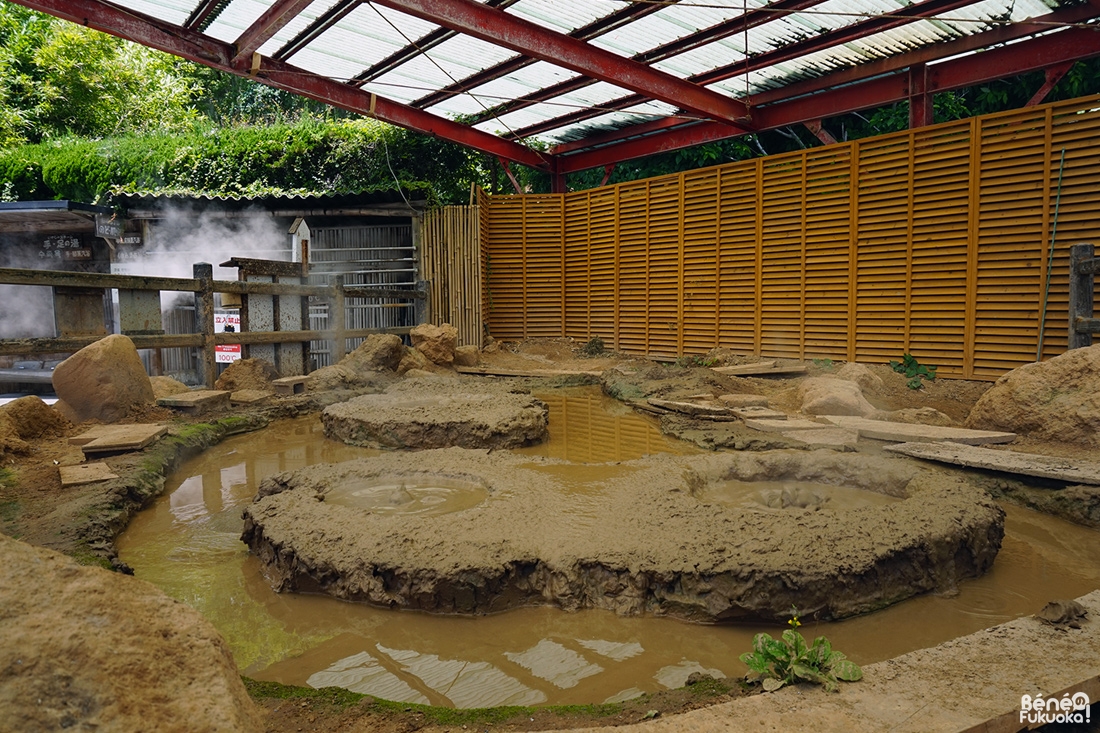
[86,557]
[8,477]
[431,713]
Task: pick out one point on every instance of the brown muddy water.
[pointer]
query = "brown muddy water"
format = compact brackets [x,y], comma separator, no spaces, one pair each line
[188,545]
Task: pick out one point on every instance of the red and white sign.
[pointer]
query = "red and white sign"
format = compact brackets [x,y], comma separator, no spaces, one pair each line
[227,322]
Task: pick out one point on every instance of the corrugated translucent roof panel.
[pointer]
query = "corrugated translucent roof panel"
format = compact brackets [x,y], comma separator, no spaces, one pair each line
[521,83]
[171,11]
[563,17]
[296,25]
[421,57]
[235,19]
[446,64]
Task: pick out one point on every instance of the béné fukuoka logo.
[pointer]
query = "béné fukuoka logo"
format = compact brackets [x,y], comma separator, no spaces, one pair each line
[1065,709]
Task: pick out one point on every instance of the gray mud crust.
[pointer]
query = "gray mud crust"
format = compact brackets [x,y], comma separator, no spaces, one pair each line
[419,415]
[641,540]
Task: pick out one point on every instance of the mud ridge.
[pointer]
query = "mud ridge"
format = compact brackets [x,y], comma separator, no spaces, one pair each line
[643,543]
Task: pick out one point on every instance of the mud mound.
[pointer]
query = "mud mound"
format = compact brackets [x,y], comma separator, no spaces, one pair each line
[1056,400]
[167,386]
[419,419]
[247,374]
[377,357]
[647,542]
[33,418]
[93,650]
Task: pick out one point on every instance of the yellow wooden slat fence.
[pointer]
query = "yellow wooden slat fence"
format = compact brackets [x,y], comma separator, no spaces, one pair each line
[931,241]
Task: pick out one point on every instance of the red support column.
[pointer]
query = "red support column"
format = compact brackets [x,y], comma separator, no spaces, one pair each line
[1054,75]
[920,99]
[820,132]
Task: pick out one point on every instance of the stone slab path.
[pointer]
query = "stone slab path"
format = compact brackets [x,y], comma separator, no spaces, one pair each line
[1027,464]
[907,432]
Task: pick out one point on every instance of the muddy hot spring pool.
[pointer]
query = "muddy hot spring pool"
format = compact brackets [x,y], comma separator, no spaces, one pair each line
[188,544]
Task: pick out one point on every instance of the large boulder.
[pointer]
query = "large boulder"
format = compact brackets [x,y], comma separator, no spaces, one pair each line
[825,396]
[103,381]
[247,374]
[84,649]
[1055,400]
[380,353]
[861,374]
[435,342]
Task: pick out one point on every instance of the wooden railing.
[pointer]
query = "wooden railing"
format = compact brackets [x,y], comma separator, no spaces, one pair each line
[139,303]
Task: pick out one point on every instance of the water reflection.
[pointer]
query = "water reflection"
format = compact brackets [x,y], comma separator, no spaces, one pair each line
[187,544]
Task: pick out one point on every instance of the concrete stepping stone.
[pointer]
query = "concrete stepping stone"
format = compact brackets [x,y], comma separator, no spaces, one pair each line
[826,437]
[761,369]
[249,397]
[758,412]
[197,402]
[117,438]
[782,426]
[744,400]
[85,473]
[290,385]
[1006,461]
[908,432]
[691,408]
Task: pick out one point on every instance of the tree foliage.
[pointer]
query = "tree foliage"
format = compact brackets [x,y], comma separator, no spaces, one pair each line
[308,157]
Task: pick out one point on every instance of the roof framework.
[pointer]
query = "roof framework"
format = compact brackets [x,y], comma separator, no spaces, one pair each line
[602,81]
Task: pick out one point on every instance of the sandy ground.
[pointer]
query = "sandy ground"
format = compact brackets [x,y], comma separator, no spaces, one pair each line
[83,521]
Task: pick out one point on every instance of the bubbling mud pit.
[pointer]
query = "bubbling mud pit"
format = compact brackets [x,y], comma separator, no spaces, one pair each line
[187,544]
[647,541]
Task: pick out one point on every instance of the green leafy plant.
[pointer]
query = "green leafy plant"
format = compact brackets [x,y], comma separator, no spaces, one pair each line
[695,360]
[913,370]
[594,347]
[790,659]
[823,363]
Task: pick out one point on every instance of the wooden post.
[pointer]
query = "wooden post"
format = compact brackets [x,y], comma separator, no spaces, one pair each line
[1080,294]
[204,321]
[420,307]
[337,320]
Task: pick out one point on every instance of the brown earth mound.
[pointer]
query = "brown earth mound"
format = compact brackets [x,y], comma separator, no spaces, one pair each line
[254,374]
[645,542]
[1055,400]
[421,413]
[86,649]
[33,418]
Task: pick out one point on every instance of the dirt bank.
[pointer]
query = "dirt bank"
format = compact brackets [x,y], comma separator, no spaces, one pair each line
[83,521]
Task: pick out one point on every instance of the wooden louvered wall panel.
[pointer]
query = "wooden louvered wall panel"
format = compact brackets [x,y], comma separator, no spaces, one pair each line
[933,242]
[701,262]
[882,249]
[543,265]
[940,236]
[737,266]
[578,271]
[827,232]
[632,322]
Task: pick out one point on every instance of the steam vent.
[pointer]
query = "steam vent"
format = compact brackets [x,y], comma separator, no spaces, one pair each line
[475,532]
[406,419]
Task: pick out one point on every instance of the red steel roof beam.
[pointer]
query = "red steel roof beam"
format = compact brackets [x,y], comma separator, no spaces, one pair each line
[143,29]
[769,58]
[596,28]
[862,72]
[474,19]
[1072,44]
[717,32]
[267,25]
